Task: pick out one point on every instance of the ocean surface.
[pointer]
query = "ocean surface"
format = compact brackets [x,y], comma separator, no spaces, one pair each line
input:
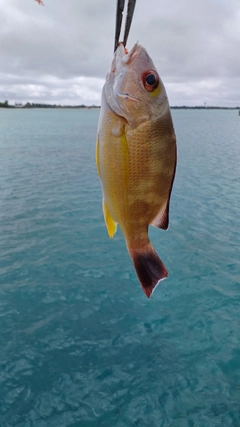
[80,344]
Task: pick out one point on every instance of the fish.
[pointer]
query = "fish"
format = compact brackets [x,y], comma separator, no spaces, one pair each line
[136,157]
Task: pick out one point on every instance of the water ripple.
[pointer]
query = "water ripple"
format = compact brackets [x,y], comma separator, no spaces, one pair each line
[80,343]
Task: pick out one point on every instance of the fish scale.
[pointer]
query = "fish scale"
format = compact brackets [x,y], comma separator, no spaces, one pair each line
[136,158]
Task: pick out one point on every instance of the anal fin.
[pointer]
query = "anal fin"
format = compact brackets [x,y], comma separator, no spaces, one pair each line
[110,223]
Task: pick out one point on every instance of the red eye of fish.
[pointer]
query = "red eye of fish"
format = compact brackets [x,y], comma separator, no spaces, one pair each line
[150,80]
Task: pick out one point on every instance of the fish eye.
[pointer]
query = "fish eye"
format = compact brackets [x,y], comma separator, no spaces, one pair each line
[150,80]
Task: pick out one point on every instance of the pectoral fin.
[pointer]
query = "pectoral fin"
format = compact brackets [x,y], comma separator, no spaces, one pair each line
[110,223]
[97,156]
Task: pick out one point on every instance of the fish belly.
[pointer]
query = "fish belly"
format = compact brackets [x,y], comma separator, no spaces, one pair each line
[136,170]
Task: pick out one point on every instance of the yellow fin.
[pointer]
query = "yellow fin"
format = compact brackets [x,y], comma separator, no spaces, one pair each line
[97,155]
[110,223]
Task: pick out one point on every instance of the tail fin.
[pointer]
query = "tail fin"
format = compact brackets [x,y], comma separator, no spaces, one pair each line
[149,267]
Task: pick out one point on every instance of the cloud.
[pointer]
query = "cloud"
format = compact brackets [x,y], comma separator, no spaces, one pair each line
[48,88]
[62,51]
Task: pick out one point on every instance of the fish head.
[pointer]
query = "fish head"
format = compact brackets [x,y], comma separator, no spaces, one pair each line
[133,88]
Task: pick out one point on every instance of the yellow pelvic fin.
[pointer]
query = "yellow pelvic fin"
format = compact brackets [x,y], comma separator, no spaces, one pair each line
[110,223]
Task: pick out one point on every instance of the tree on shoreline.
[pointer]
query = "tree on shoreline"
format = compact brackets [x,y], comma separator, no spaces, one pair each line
[4,104]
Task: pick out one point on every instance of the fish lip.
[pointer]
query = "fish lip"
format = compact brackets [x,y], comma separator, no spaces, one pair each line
[126,57]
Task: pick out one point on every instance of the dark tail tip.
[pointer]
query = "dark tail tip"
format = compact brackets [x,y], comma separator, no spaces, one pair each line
[149,268]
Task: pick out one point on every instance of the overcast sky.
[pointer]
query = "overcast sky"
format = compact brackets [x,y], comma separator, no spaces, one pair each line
[60,52]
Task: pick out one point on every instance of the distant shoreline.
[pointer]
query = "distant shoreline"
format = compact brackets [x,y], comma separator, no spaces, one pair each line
[90,107]
[38,105]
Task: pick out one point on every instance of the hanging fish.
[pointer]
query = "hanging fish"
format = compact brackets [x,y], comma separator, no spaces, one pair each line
[136,157]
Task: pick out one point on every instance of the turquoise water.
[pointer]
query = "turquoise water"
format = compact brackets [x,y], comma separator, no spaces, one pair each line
[80,344]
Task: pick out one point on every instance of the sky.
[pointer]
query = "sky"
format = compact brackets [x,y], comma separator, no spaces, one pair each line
[60,53]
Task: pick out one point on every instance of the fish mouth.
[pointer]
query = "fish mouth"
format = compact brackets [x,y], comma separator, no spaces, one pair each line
[127,96]
[126,56]
[122,57]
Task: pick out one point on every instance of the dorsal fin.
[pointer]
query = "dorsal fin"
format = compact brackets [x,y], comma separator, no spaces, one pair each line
[162,218]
